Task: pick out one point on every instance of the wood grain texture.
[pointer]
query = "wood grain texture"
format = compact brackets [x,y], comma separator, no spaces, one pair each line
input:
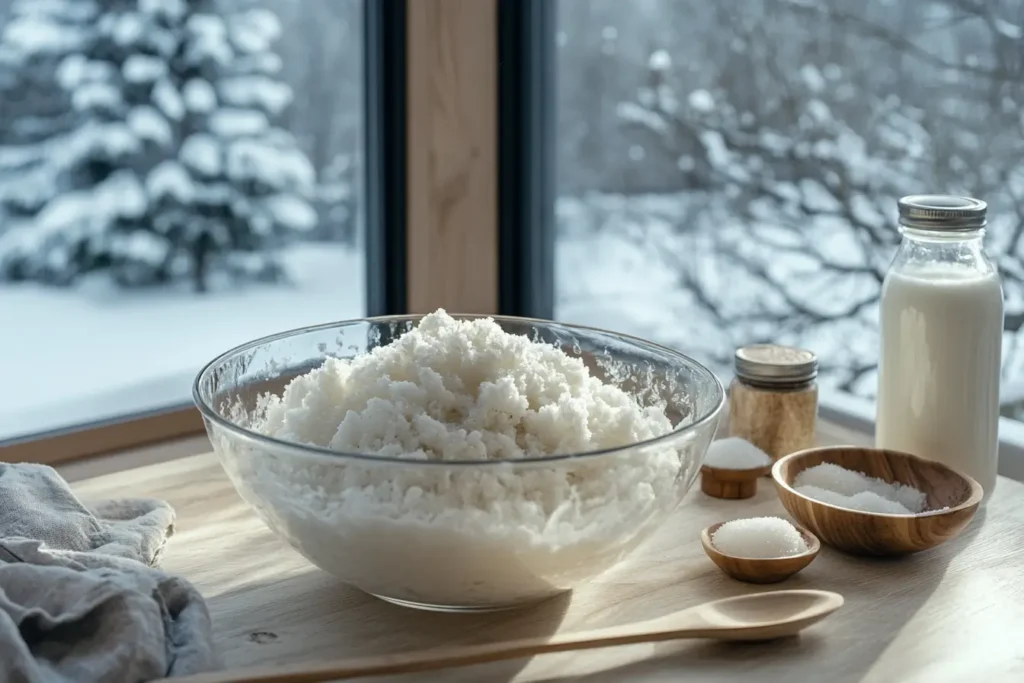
[866,533]
[760,570]
[733,484]
[452,156]
[951,614]
[747,617]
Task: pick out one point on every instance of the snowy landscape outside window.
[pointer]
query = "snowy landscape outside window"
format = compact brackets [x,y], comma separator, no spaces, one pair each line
[728,172]
[176,177]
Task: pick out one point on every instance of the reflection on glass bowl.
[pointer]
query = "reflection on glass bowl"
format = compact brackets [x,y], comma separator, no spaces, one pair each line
[460,535]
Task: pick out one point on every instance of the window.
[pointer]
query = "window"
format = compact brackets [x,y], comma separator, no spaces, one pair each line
[176,177]
[728,172]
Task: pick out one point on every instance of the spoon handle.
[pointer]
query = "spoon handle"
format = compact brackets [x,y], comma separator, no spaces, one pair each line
[683,625]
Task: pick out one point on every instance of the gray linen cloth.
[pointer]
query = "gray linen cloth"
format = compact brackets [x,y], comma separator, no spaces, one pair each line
[79,599]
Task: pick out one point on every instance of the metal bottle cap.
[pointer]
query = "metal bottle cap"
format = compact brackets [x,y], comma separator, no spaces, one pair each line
[940,212]
[773,364]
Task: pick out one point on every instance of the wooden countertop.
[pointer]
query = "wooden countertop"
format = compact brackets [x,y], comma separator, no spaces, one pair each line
[953,614]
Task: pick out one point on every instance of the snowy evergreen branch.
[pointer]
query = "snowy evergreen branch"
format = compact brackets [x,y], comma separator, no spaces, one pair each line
[172,164]
[809,158]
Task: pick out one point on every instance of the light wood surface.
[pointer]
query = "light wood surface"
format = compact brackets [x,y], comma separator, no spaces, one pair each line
[452,156]
[760,570]
[760,616]
[952,496]
[953,614]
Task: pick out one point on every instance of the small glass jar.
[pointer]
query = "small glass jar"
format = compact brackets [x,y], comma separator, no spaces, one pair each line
[773,400]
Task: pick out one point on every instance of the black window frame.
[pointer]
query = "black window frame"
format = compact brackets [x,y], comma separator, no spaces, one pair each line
[526,157]
[385,146]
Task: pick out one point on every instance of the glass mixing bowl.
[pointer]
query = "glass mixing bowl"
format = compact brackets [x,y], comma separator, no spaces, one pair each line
[465,535]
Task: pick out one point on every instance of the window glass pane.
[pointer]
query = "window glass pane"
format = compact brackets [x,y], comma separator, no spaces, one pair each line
[176,177]
[728,172]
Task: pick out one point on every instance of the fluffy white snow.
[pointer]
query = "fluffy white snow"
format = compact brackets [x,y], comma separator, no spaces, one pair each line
[202,152]
[167,97]
[200,97]
[41,34]
[256,91]
[250,38]
[93,353]
[75,71]
[171,9]
[701,101]
[659,60]
[812,78]
[1012,31]
[634,113]
[210,39]
[140,246]
[140,68]
[291,211]
[114,139]
[262,21]
[125,27]
[278,168]
[121,195]
[96,96]
[170,179]
[229,122]
[148,124]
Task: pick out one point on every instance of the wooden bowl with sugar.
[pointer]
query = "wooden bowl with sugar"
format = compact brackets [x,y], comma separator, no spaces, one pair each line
[951,499]
[760,569]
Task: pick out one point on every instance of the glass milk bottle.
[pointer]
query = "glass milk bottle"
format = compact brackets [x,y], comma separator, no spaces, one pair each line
[941,339]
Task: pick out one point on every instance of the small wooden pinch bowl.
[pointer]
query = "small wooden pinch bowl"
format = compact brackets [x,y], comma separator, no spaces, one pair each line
[758,569]
[870,533]
[720,482]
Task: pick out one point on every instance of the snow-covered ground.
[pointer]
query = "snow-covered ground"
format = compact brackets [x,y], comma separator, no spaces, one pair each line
[611,281]
[623,263]
[92,353]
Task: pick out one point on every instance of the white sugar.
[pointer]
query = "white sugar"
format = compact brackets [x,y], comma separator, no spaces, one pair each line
[869,501]
[735,453]
[865,501]
[833,478]
[835,485]
[758,537]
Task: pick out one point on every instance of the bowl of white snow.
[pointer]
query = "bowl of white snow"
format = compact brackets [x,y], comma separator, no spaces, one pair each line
[460,463]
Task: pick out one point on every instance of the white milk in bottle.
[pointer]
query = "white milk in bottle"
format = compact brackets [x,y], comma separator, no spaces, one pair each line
[941,339]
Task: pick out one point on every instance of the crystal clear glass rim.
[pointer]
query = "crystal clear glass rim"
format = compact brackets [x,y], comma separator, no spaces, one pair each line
[318,452]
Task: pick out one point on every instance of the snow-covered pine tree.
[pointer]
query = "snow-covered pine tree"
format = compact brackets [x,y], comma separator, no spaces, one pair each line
[34,110]
[241,184]
[173,167]
[98,220]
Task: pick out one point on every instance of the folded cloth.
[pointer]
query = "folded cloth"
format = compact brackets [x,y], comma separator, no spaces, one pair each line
[79,599]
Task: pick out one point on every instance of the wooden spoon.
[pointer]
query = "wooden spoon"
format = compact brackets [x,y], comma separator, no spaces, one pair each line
[759,616]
